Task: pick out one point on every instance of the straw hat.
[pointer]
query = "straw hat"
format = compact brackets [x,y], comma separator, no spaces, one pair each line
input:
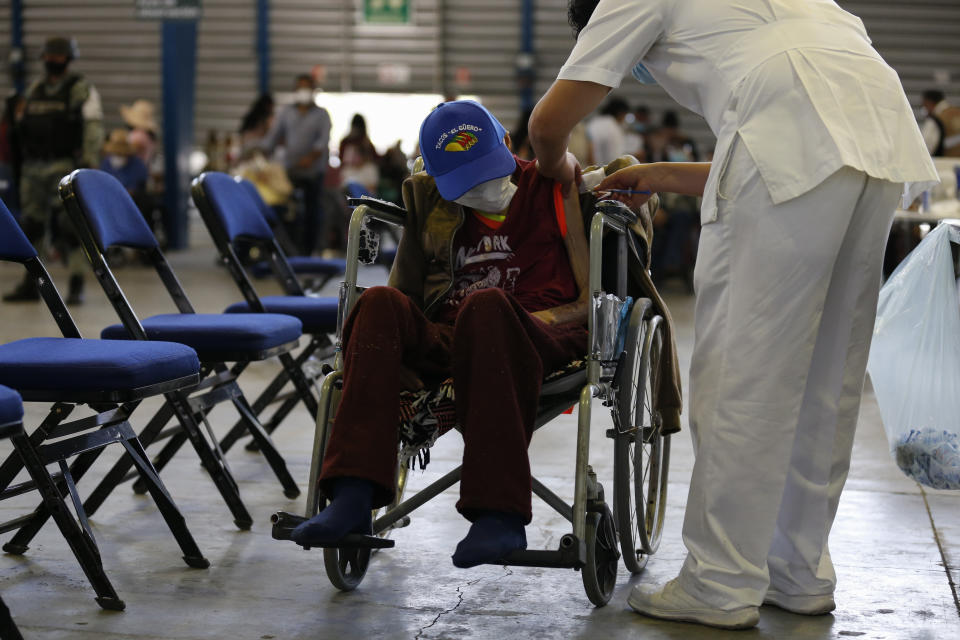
[139,115]
[117,144]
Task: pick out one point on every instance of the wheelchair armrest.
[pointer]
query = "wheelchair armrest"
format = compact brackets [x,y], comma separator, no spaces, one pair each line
[395,213]
[618,211]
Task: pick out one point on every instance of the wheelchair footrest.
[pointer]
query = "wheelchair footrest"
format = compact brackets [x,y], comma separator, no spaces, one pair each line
[361,541]
[284,523]
[572,554]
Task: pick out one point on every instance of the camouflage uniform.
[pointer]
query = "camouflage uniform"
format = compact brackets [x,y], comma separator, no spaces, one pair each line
[41,210]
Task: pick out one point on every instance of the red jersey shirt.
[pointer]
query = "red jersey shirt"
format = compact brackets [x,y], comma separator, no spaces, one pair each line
[525,256]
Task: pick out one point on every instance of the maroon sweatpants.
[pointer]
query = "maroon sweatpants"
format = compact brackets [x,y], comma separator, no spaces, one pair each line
[497,353]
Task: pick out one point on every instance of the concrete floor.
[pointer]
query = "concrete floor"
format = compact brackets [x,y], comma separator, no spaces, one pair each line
[895,544]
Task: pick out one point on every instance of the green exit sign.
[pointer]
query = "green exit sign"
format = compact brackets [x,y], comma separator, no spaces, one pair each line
[387,11]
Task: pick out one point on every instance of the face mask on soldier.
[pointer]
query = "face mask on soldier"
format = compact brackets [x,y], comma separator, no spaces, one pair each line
[54,68]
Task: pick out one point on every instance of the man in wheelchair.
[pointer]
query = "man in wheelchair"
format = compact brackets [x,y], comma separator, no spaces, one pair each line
[488,287]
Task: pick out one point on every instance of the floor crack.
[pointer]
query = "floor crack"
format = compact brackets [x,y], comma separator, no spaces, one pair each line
[943,553]
[450,610]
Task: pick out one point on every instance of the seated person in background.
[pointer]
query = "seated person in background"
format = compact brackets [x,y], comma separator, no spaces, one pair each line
[120,162]
[505,312]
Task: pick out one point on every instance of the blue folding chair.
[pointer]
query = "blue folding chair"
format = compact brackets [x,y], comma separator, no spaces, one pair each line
[105,216]
[320,269]
[232,215]
[11,423]
[112,378]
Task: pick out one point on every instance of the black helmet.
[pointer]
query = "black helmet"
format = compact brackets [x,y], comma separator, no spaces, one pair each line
[60,46]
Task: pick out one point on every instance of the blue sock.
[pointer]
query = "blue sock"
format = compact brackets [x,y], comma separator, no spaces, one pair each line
[349,511]
[492,536]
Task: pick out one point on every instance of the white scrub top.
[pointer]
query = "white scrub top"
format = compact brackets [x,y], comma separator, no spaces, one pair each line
[798,80]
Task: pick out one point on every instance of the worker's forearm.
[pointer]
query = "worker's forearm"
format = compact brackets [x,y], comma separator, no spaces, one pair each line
[685,178]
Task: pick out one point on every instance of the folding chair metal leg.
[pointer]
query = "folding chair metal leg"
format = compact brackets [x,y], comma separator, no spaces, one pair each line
[83,546]
[122,467]
[171,514]
[211,461]
[274,459]
[13,464]
[8,628]
[20,542]
[162,458]
[294,369]
[303,392]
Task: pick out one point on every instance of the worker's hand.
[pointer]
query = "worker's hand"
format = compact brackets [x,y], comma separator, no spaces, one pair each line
[638,177]
[566,172]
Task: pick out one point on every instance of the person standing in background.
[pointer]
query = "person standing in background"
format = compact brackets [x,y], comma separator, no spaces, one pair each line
[303,129]
[606,132]
[359,158]
[941,126]
[61,130]
[255,124]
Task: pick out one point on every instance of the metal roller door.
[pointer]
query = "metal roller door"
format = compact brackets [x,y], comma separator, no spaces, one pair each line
[119,54]
[350,55]
[226,65]
[481,41]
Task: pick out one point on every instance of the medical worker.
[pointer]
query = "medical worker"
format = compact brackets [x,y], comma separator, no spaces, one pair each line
[816,143]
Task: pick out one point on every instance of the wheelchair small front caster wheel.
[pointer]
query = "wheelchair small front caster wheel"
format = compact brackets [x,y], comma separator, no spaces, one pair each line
[603,558]
[346,566]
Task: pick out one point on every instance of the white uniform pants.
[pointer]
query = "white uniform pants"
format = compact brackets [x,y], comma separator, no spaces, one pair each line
[786,301]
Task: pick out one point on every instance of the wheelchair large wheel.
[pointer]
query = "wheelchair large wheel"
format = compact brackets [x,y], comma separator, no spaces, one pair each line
[600,573]
[641,452]
[346,567]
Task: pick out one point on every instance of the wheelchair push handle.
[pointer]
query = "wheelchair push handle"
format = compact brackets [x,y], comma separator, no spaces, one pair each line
[618,211]
[395,213]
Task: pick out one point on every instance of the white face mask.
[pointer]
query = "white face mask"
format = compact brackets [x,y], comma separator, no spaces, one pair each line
[490,196]
[117,162]
[303,96]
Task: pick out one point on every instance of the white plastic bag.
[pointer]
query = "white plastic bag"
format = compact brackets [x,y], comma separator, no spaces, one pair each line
[915,362]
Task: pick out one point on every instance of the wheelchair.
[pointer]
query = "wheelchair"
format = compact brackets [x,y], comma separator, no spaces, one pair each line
[601,534]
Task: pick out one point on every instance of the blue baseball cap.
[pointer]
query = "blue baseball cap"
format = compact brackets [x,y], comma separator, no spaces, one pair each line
[462,146]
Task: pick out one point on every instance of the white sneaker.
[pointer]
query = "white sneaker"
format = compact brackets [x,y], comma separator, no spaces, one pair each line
[803,605]
[673,603]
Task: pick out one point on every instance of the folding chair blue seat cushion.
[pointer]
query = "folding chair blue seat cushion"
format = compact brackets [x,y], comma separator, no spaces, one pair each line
[318,315]
[211,333]
[76,364]
[11,406]
[308,265]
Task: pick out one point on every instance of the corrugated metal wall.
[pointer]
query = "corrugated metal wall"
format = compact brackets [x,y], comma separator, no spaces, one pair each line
[226,64]
[482,39]
[119,54]
[451,46]
[350,53]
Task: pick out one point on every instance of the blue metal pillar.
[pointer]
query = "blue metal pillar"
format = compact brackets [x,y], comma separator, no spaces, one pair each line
[179,43]
[526,68]
[263,45]
[17,66]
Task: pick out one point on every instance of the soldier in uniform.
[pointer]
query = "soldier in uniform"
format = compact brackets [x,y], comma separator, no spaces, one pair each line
[61,129]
